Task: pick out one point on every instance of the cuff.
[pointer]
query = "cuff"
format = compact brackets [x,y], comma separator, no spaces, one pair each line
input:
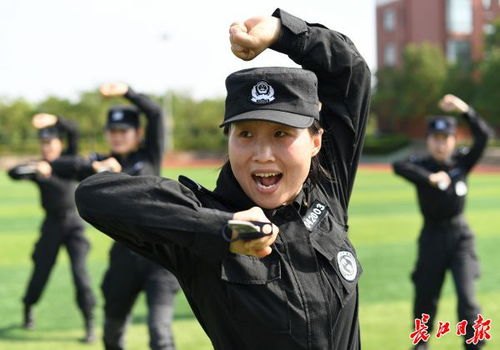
[291,40]
[213,246]
[471,113]
[130,93]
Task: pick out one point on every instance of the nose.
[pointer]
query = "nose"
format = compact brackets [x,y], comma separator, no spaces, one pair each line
[263,153]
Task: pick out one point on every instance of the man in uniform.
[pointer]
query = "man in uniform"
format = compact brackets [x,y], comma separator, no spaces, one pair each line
[62,224]
[446,241]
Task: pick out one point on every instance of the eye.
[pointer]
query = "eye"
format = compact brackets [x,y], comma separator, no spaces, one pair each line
[245,134]
[280,133]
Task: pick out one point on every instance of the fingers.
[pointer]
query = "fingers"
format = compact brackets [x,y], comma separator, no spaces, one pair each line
[452,103]
[44,169]
[113,89]
[109,164]
[257,247]
[43,120]
[241,43]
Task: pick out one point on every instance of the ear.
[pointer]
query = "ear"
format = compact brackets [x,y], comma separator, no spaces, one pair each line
[317,141]
[140,133]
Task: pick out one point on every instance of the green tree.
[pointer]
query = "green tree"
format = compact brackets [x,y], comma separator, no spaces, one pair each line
[410,92]
[492,39]
[488,93]
[16,132]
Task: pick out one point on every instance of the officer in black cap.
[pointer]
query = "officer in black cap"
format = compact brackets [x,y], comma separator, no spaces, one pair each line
[291,169]
[62,225]
[129,273]
[446,241]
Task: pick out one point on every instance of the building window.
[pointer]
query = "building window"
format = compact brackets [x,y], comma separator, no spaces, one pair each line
[488,29]
[389,20]
[458,52]
[487,4]
[390,55]
[459,16]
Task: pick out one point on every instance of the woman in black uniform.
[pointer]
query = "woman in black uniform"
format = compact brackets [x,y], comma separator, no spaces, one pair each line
[62,226]
[446,241]
[291,169]
[134,153]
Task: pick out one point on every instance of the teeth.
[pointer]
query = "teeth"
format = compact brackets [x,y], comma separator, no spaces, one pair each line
[266,174]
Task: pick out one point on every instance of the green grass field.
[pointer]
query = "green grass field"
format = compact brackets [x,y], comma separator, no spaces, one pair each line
[384,226]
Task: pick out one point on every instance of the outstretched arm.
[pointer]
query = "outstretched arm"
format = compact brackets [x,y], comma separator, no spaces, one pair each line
[141,210]
[30,171]
[79,168]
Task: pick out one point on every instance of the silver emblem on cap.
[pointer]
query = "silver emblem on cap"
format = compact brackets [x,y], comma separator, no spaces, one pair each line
[117,115]
[347,265]
[440,125]
[262,93]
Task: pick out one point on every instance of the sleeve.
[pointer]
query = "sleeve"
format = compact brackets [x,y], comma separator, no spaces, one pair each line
[410,170]
[154,137]
[149,210]
[72,167]
[344,91]
[481,133]
[72,134]
[22,172]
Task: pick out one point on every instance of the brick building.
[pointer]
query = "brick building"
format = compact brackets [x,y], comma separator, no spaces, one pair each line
[457,26]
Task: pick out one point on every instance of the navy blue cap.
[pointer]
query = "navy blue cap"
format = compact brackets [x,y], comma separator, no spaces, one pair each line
[123,117]
[51,132]
[442,125]
[277,94]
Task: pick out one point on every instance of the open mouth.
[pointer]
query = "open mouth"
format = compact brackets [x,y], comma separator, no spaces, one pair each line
[267,181]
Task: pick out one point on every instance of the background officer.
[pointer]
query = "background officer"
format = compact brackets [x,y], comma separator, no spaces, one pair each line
[134,153]
[446,241]
[62,224]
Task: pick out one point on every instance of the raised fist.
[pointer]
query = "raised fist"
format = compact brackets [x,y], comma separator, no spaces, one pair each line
[451,103]
[43,120]
[113,89]
[248,39]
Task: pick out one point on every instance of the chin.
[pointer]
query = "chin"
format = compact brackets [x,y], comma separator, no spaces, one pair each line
[269,203]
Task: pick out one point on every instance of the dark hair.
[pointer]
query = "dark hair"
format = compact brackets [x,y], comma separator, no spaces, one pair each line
[317,172]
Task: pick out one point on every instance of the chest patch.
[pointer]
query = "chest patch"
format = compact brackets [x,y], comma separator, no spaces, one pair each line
[461,188]
[315,215]
[347,265]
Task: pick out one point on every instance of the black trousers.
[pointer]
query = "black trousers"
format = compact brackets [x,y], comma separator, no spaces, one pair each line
[60,231]
[441,247]
[127,276]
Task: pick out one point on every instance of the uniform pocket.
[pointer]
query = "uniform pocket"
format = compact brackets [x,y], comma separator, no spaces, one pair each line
[254,294]
[342,266]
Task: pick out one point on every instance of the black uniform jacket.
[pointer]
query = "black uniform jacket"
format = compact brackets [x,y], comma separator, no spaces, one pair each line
[56,193]
[436,205]
[304,294]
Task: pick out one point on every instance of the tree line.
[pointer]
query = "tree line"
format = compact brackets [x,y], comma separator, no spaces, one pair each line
[195,121]
[406,94]
[402,95]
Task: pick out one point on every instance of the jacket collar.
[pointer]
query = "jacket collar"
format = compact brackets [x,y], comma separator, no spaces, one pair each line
[230,191]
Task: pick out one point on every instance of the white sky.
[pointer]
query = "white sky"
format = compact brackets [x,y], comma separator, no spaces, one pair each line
[61,47]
